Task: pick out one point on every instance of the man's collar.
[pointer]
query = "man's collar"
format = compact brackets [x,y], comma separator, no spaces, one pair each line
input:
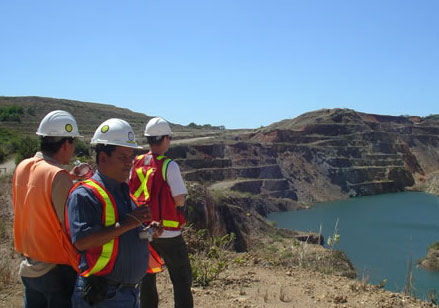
[108,182]
[48,159]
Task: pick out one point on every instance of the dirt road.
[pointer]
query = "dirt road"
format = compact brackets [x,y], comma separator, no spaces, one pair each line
[7,167]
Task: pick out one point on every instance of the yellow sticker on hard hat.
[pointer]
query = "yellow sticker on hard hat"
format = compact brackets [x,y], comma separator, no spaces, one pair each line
[105,128]
[69,128]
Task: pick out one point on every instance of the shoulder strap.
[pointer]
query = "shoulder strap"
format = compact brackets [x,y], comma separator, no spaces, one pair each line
[166,162]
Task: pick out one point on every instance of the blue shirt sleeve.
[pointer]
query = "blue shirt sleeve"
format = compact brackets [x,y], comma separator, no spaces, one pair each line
[84,213]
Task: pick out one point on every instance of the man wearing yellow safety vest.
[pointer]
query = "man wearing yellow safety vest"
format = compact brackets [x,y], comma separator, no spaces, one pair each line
[40,187]
[156,181]
[104,223]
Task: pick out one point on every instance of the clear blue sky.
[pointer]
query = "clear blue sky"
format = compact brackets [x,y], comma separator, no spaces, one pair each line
[238,63]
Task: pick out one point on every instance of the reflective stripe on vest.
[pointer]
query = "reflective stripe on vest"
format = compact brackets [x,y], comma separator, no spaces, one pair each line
[143,187]
[167,223]
[165,166]
[170,223]
[108,219]
[155,261]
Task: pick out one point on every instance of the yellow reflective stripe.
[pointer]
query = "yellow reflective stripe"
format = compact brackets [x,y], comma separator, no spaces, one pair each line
[110,215]
[110,219]
[155,270]
[165,165]
[140,157]
[143,183]
[170,223]
[104,258]
[165,168]
[142,179]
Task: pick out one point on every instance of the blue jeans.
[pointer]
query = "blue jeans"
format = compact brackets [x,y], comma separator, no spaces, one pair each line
[117,297]
[53,289]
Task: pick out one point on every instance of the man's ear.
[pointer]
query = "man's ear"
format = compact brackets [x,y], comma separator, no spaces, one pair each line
[103,157]
[65,145]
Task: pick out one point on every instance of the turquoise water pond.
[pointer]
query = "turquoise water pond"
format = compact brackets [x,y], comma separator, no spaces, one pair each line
[379,234]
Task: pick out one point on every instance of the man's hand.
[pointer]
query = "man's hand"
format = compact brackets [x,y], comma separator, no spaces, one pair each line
[81,172]
[158,228]
[99,238]
[179,200]
[138,216]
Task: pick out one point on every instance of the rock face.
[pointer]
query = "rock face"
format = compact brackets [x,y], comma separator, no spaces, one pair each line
[361,154]
[431,260]
[319,156]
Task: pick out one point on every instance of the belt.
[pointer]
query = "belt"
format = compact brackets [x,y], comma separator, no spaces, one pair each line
[121,284]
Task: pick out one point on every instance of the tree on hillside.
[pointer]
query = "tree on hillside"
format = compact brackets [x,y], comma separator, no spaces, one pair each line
[11,113]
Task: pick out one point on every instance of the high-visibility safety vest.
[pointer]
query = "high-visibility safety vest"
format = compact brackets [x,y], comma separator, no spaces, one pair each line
[38,233]
[100,260]
[155,261]
[148,185]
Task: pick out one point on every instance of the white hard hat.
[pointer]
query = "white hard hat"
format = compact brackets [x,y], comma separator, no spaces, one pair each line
[115,132]
[157,127]
[58,123]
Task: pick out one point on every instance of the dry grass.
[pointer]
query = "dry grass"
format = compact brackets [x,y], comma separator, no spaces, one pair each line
[8,257]
[8,275]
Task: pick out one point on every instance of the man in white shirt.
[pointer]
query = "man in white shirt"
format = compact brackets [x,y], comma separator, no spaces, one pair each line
[156,181]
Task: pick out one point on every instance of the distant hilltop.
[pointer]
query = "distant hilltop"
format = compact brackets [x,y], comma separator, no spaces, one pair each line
[88,115]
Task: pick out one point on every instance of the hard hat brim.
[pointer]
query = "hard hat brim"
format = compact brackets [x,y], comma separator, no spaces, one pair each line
[106,142]
[61,135]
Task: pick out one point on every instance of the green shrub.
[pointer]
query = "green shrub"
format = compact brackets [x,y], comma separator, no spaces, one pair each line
[11,113]
[81,148]
[9,141]
[207,264]
[27,148]
[434,246]
[205,270]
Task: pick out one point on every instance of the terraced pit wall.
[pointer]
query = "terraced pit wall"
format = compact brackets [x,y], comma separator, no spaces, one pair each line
[278,169]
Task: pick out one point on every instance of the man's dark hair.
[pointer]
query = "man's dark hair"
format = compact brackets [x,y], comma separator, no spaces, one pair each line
[51,145]
[155,140]
[107,149]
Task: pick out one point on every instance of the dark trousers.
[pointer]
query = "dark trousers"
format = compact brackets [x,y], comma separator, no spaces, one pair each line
[174,253]
[53,289]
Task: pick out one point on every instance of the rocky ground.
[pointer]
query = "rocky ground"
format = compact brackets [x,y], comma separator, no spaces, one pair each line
[259,286]
[249,280]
